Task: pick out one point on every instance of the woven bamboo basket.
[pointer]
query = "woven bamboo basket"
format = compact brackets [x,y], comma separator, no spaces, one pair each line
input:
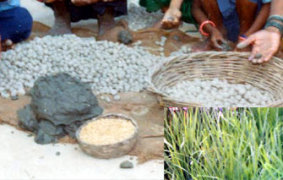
[231,66]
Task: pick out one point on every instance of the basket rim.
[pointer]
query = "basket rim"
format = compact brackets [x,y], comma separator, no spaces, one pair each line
[152,87]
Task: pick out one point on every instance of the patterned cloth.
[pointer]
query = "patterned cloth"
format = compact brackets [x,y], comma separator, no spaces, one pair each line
[15,24]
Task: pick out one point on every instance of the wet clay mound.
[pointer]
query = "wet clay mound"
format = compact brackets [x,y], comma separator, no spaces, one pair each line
[59,105]
[63,100]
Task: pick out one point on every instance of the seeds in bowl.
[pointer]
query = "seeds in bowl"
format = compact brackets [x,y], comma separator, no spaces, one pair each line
[107,131]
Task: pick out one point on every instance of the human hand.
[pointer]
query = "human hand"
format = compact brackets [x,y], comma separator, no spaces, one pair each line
[6,45]
[171,18]
[217,39]
[265,44]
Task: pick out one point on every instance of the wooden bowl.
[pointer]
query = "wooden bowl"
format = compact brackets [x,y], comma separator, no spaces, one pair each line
[110,150]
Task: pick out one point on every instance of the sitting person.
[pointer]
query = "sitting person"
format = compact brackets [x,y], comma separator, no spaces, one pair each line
[15,23]
[267,42]
[232,20]
[174,11]
[67,11]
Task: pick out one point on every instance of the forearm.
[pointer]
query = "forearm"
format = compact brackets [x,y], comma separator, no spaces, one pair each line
[176,4]
[200,16]
[277,7]
[265,42]
[260,20]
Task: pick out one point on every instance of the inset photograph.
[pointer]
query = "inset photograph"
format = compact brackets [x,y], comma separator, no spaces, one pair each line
[223,143]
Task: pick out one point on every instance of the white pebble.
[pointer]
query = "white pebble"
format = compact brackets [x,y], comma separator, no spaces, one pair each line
[108,67]
[219,93]
[117,97]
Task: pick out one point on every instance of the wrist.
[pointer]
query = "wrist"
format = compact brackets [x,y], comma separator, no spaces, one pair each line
[175,11]
[242,37]
[173,7]
[207,28]
[212,29]
[275,25]
[176,5]
[273,29]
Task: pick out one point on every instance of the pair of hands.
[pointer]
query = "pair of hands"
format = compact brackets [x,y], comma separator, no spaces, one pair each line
[80,2]
[265,43]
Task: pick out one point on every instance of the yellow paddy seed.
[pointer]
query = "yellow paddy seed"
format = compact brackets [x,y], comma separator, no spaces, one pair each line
[107,131]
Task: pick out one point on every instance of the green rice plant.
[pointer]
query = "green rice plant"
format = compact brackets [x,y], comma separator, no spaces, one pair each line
[244,144]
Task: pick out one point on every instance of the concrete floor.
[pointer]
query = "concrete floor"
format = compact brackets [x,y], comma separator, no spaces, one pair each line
[22,158]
